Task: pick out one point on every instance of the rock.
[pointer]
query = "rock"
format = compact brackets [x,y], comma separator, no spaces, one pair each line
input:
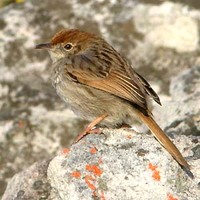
[177,31]
[31,184]
[120,165]
[180,113]
[170,40]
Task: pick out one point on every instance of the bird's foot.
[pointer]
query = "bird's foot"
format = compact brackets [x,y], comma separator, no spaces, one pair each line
[90,129]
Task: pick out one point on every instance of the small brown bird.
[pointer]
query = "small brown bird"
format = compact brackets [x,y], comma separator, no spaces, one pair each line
[98,83]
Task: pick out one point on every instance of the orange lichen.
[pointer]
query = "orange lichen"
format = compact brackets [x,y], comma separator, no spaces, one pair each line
[93,150]
[156,173]
[129,136]
[76,174]
[170,197]
[88,180]
[65,151]
[152,167]
[95,169]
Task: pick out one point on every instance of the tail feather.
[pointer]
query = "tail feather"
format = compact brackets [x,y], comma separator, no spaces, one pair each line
[166,142]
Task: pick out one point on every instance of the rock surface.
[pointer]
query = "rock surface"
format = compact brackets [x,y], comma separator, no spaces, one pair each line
[31,183]
[160,38]
[180,113]
[120,165]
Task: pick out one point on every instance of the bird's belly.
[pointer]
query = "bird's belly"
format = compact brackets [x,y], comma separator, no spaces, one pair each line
[90,103]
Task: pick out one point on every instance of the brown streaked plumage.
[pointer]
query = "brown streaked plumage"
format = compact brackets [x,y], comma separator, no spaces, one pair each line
[95,81]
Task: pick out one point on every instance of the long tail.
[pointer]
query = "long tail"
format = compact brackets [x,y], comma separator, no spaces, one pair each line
[166,142]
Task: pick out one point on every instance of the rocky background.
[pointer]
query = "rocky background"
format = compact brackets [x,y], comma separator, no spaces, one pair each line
[160,38]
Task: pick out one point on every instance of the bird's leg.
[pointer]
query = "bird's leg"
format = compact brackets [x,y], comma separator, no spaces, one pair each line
[90,128]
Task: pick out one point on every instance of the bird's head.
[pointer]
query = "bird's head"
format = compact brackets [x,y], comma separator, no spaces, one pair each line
[67,43]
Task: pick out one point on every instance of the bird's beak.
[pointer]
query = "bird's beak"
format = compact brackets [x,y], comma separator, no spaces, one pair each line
[46,46]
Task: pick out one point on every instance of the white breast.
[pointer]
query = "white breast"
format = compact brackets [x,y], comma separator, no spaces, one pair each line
[57,79]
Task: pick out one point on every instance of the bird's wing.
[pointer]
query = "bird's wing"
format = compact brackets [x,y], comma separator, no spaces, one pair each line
[148,88]
[110,76]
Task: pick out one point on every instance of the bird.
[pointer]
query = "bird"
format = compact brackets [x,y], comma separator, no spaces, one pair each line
[100,85]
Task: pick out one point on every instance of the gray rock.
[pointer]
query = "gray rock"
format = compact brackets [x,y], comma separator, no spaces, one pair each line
[176,31]
[180,113]
[30,184]
[120,165]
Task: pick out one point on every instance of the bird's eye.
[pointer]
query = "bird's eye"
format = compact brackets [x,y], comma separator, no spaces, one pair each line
[68,46]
